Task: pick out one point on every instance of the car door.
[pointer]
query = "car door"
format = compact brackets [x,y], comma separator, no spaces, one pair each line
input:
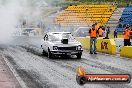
[45,44]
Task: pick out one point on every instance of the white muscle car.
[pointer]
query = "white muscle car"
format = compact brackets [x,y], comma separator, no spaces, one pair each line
[61,43]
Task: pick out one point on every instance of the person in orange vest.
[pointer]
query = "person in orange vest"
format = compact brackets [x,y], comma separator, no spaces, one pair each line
[96,26]
[100,30]
[127,36]
[93,36]
[131,32]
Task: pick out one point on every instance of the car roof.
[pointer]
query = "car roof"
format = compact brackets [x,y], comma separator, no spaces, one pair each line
[58,33]
[83,27]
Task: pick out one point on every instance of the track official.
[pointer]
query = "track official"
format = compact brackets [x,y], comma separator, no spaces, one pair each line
[126,34]
[93,36]
[100,30]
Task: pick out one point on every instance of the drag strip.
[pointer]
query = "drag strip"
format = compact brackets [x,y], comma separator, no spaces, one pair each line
[38,71]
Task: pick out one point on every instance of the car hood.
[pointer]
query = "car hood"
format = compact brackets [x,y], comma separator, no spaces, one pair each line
[70,43]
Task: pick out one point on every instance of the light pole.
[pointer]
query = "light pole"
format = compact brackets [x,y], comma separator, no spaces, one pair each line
[87,15]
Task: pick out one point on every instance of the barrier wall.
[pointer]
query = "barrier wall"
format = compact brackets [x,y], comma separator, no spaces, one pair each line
[85,41]
[106,46]
[103,45]
[126,51]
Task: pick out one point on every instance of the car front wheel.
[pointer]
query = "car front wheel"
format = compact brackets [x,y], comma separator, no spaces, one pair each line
[50,55]
[44,53]
[79,55]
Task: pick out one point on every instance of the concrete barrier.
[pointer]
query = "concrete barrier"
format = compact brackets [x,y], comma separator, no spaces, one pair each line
[126,51]
[85,41]
[106,46]
[103,45]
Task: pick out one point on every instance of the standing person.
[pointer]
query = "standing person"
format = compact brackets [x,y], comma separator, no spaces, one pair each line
[104,31]
[96,26]
[100,30]
[107,32]
[131,33]
[93,36]
[115,34]
[127,36]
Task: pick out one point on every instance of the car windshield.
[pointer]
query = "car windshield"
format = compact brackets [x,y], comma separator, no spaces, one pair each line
[81,32]
[59,37]
[83,29]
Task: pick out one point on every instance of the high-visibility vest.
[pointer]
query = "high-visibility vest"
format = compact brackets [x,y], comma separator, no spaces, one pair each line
[93,33]
[131,33]
[127,34]
[100,31]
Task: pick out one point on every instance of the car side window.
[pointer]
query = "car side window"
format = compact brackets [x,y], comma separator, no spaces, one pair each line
[46,37]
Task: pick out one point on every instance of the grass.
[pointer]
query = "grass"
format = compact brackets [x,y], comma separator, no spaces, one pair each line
[112,36]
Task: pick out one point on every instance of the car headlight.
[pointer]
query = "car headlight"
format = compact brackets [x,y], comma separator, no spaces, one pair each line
[79,47]
[55,48]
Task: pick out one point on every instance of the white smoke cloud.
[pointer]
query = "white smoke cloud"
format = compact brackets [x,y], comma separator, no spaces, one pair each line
[14,11]
[9,12]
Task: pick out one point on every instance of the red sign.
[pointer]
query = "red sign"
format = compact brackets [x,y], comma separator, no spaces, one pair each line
[82,77]
[104,45]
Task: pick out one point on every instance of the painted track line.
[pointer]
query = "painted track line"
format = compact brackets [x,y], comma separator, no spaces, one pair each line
[21,82]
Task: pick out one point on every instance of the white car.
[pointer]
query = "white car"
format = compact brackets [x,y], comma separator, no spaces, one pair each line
[61,43]
[82,32]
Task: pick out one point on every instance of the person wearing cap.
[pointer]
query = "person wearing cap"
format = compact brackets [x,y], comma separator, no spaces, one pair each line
[100,30]
[93,36]
[126,34]
[131,32]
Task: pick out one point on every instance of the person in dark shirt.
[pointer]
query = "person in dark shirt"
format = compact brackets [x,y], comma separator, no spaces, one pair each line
[115,34]
[107,32]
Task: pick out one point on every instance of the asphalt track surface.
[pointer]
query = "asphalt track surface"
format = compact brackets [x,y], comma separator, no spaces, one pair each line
[38,71]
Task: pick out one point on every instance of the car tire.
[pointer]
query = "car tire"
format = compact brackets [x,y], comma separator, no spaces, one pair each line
[79,55]
[50,55]
[44,53]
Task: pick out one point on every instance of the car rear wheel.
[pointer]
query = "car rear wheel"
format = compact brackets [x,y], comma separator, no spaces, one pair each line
[79,55]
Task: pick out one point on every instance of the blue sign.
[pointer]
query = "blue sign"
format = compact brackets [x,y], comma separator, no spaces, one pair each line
[126,19]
